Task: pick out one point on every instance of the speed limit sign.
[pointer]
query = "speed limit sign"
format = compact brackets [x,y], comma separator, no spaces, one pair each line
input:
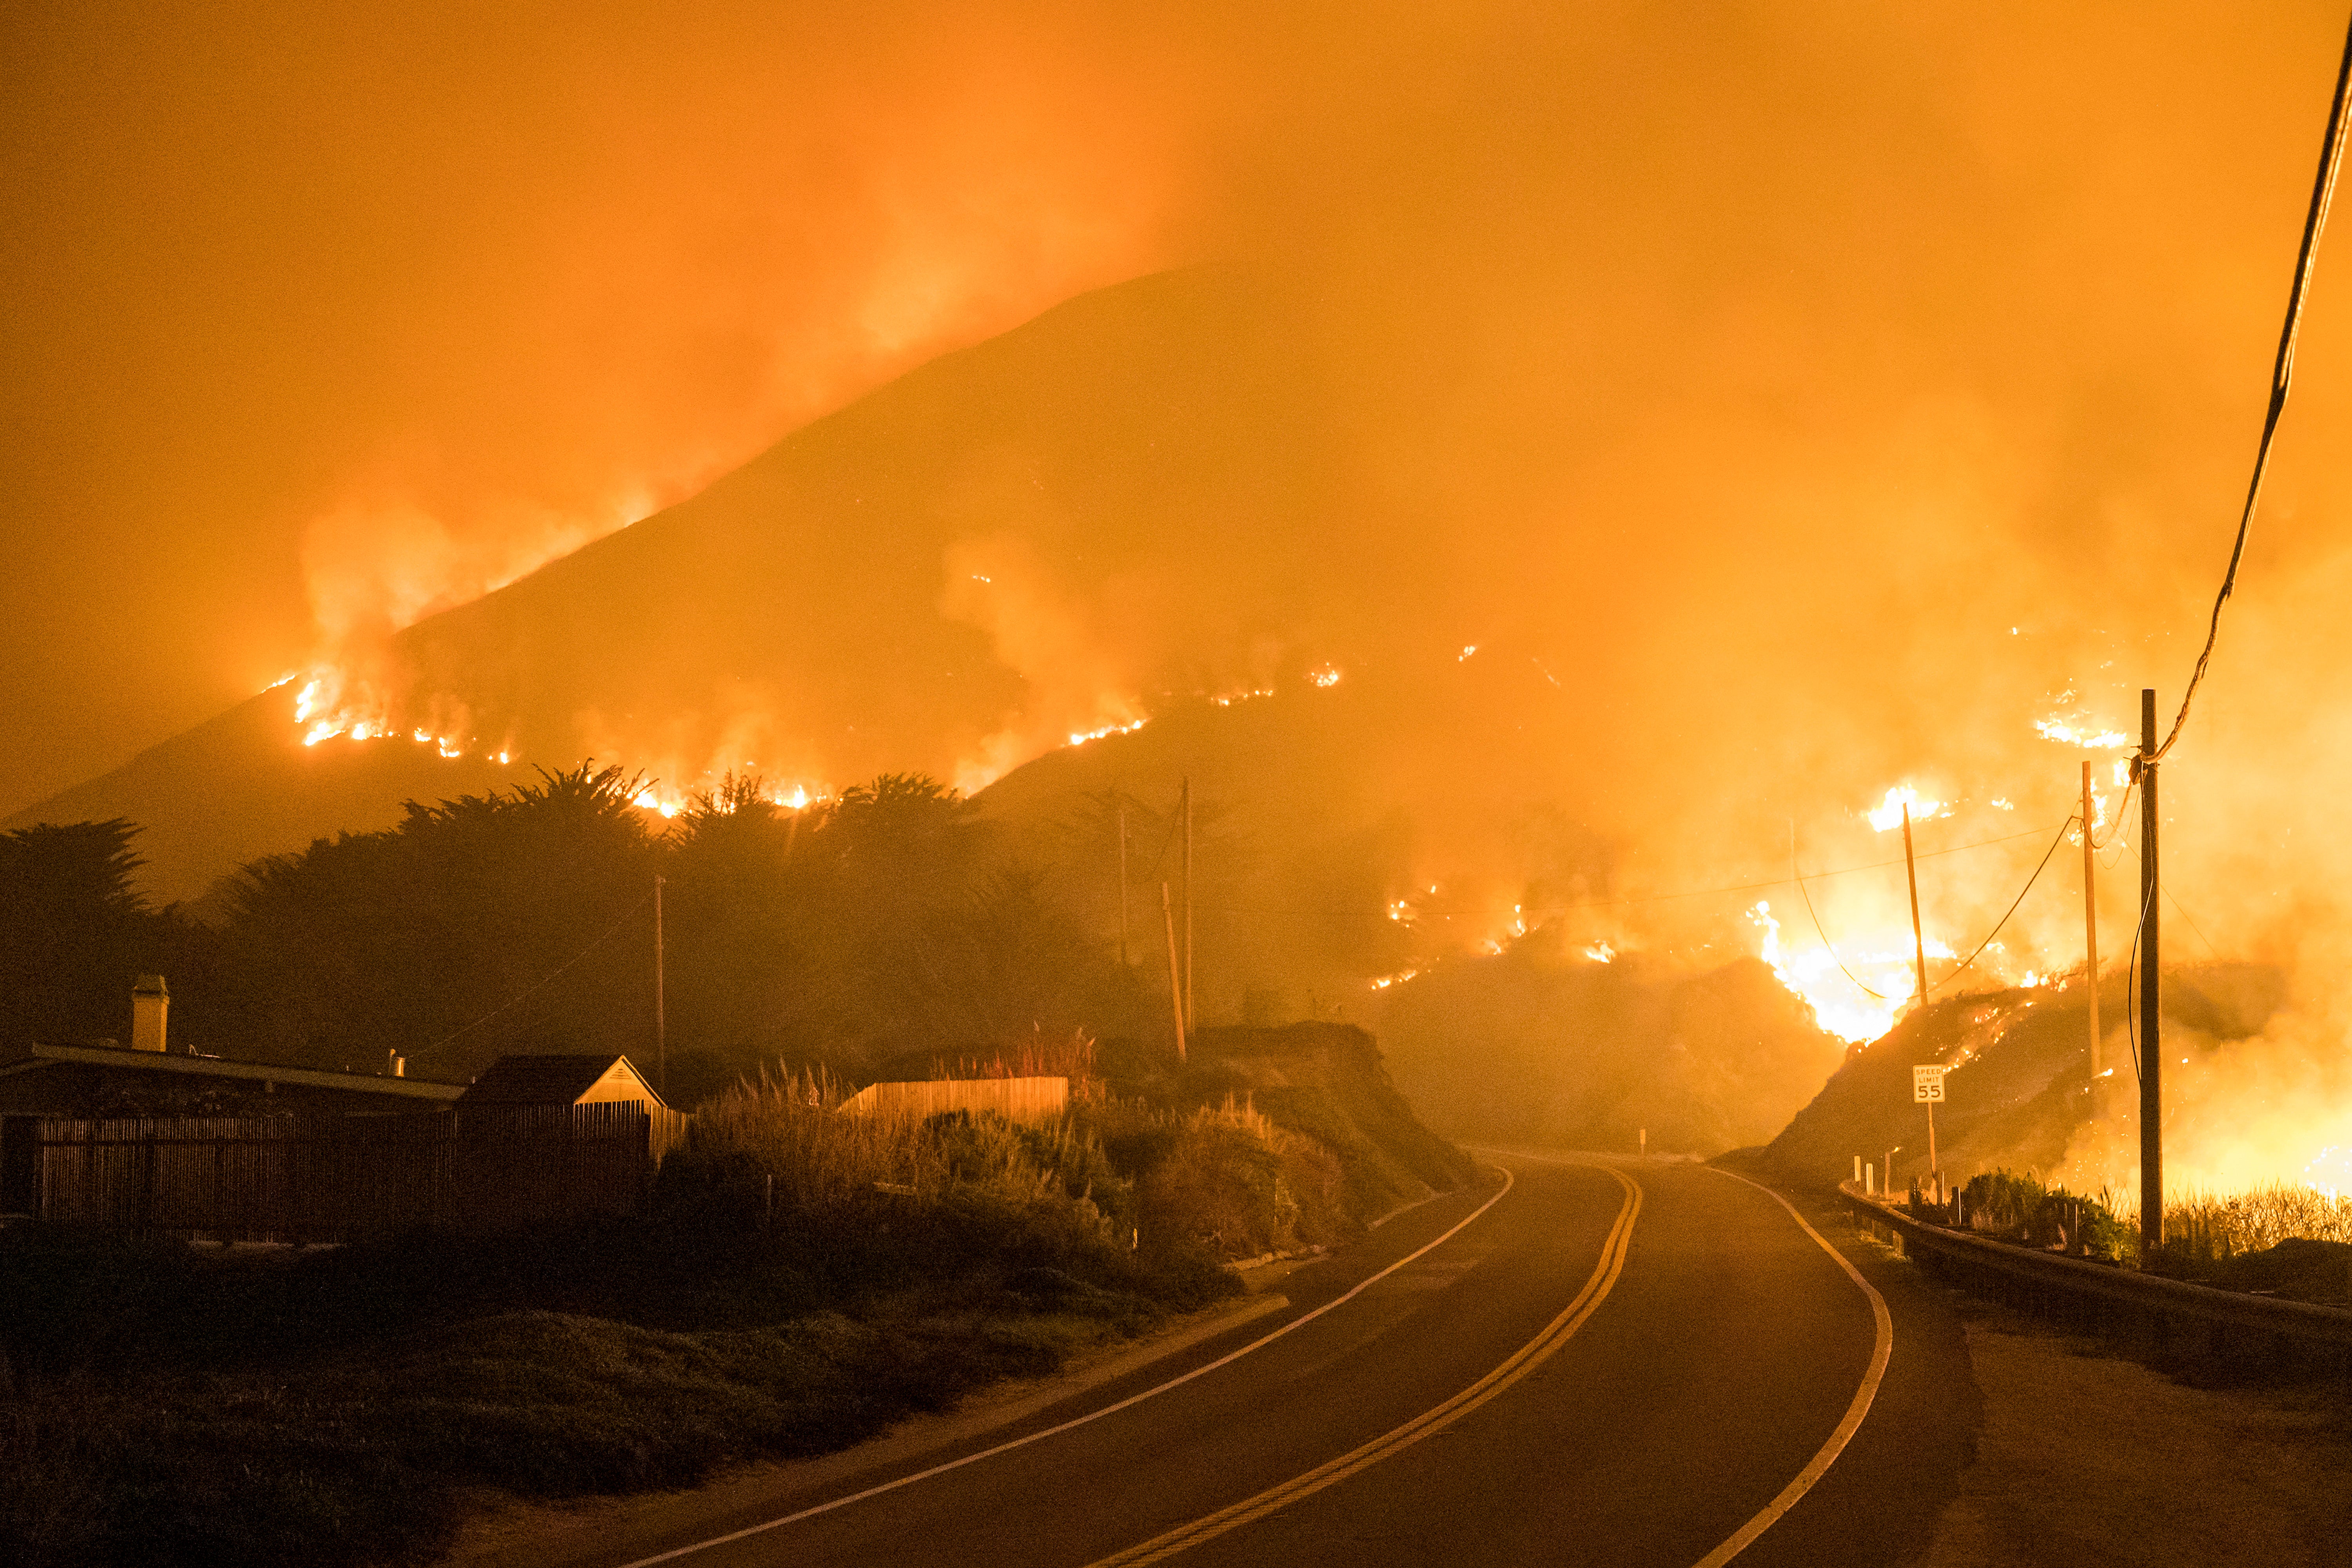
[1926,1084]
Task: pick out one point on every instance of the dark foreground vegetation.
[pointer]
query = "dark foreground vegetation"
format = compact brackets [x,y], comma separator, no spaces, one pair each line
[805,1278]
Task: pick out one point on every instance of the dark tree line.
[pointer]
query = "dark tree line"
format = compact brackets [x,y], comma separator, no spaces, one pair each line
[885,921]
[73,932]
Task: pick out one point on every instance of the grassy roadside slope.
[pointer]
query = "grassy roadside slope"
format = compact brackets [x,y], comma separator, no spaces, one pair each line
[168,1404]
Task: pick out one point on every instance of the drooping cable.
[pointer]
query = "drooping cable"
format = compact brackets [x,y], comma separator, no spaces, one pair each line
[2131,987]
[1798,878]
[2323,193]
[1548,911]
[542,981]
[2020,899]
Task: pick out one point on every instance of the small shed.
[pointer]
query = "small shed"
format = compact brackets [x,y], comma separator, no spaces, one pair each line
[599,1079]
[589,1080]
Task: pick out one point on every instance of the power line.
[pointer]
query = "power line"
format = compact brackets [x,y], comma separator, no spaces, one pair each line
[2323,193]
[2181,910]
[544,981]
[1824,935]
[1617,902]
[2013,909]
[2131,985]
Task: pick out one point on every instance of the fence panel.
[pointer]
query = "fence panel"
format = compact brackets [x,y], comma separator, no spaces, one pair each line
[290,1179]
[1016,1098]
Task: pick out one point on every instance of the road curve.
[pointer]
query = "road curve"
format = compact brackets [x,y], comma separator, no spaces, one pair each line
[1636,1363]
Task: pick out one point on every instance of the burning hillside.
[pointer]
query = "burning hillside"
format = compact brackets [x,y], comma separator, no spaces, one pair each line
[1568,567]
[2250,1102]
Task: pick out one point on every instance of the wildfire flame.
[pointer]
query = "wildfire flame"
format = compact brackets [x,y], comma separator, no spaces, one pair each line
[1888,813]
[1081,738]
[1885,964]
[1325,676]
[2067,734]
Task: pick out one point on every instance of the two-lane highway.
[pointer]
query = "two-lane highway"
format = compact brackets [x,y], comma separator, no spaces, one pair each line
[1582,1362]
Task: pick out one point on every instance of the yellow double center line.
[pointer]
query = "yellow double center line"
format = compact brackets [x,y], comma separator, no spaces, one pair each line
[1528,1356]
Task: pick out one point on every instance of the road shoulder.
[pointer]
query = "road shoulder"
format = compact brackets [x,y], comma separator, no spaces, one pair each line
[505,1531]
[2088,1458]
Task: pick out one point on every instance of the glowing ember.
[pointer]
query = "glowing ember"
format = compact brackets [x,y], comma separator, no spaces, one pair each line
[1601,953]
[1465,653]
[2066,734]
[1326,675]
[1229,698]
[1888,813]
[1400,910]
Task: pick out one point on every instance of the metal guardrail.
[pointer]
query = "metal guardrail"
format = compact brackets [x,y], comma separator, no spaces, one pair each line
[2050,1279]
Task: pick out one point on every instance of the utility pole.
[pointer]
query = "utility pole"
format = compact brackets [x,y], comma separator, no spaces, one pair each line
[2091,934]
[1919,939]
[1175,981]
[1189,1020]
[2151,1049]
[1122,883]
[661,1026]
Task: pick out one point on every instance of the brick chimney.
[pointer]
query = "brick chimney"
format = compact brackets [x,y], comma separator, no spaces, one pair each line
[151,1000]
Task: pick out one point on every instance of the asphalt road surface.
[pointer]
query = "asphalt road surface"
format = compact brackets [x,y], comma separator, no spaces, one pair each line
[1581,1361]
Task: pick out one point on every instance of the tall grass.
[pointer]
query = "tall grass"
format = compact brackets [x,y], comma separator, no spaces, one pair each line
[2214,1225]
[1223,1178]
[820,1161]
[2202,1231]
[1037,1057]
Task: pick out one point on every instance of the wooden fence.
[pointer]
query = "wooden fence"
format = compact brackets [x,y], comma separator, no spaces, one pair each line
[1016,1098]
[316,1179]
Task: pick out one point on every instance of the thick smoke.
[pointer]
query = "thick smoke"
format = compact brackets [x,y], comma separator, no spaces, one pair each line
[1690,427]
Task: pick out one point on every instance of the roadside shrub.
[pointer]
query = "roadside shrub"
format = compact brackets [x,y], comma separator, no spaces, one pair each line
[2022,1209]
[1234,1182]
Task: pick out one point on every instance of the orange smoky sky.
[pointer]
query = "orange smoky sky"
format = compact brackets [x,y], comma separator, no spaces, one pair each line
[1757,368]
[322,318]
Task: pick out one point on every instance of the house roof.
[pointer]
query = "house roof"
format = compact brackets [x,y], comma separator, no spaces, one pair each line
[551,1080]
[112,1056]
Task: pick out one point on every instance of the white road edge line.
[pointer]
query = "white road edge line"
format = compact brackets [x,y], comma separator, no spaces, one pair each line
[1521,1362]
[1510,1181]
[1880,1352]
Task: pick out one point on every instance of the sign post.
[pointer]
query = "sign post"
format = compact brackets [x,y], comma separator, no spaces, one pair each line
[1927,1089]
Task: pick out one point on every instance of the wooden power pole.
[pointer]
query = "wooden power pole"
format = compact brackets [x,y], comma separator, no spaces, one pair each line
[1191,1021]
[2152,1051]
[2091,933]
[1918,938]
[661,1025]
[1122,883]
[1175,980]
